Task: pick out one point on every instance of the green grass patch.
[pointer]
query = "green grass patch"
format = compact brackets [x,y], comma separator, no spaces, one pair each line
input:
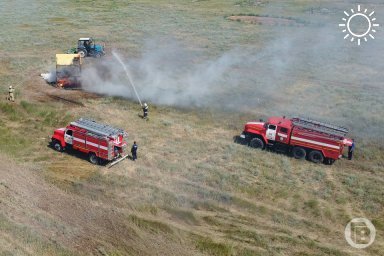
[256,239]
[313,206]
[183,215]
[29,107]
[211,221]
[11,110]
[207,245]
[150,225]
[13,143]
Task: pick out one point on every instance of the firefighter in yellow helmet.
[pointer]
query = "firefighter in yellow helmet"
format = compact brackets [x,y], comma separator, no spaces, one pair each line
[11,94]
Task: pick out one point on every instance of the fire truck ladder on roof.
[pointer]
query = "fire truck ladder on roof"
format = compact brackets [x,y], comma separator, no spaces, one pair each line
[320,126]
[97,128]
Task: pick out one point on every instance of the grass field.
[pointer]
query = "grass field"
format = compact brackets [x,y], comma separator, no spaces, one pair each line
[193,191]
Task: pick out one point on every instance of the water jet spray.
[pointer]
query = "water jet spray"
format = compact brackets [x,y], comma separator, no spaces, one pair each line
[128,75]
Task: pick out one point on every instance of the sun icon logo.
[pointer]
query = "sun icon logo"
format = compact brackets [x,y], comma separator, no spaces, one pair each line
[359,25]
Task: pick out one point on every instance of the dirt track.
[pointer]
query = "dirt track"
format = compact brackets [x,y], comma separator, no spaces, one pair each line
[40,205]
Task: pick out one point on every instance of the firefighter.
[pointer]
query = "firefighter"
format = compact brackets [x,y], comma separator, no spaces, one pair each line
[11,94]
[134,151]
[351,149]
[117,153]
[145,111]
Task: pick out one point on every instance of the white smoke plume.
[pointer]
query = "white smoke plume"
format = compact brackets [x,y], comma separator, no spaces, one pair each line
[49,77]
[307,73]
[168,75]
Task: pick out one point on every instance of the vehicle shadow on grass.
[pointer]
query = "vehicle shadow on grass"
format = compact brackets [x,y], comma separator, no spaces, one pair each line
[238,140]
[77,154]
[280,151]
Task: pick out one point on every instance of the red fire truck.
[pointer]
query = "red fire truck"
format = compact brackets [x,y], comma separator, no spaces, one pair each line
[302,137]
[99,141]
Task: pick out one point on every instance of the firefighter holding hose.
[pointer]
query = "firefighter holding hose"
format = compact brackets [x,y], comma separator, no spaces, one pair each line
[11,94]
[145,111]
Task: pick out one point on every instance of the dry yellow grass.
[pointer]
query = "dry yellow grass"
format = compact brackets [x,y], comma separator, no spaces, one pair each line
[194,187]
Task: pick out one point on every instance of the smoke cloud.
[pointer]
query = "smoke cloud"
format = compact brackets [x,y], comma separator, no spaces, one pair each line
[168,75]
[306,70]
[49,77]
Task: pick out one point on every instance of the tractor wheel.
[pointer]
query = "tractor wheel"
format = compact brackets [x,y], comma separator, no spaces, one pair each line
[93,158]
[256,143]
[82,53]
[299,153]
[316,156]
[57,146]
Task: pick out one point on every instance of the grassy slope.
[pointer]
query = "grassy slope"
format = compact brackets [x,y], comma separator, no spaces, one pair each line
[192,188]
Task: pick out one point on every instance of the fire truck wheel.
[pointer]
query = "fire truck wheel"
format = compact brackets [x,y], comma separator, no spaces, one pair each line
[57,146]
[299,153]
[93,158]
[256,143]
[316,156]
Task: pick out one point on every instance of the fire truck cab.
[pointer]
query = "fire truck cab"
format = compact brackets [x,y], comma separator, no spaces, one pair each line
[302,137]
[99,141]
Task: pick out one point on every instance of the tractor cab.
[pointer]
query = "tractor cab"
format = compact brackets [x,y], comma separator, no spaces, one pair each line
[86,43]
[87,47]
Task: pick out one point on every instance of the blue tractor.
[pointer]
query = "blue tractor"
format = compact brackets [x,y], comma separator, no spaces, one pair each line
[87,47]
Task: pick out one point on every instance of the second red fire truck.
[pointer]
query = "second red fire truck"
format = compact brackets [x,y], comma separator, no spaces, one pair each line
[99,141]
[302,137]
